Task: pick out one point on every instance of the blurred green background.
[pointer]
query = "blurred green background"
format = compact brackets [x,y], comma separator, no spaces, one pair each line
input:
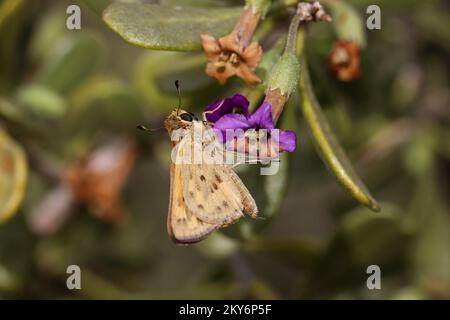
[67,96]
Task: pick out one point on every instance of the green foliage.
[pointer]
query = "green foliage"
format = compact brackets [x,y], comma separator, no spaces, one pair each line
[347,22]
[168,28]
[155,74]
[328,146]
[70,64]
[42,100]
[11,29]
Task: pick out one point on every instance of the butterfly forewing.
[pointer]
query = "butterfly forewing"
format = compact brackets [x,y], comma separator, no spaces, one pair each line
[183,226]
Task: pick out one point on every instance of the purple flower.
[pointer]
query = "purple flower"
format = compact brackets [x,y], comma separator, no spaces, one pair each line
[220,113]
[219,108]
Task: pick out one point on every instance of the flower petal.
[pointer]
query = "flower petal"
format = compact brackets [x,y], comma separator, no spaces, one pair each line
[219,108]
[230,42]
[221,76]
[231,121]
[245,73]
[210,45]
[288,140]
[262,118]
[252,55]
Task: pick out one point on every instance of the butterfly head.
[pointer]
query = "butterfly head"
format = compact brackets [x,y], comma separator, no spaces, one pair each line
[179,118]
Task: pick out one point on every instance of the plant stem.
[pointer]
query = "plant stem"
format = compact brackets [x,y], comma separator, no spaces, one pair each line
[246,26]
[292,33]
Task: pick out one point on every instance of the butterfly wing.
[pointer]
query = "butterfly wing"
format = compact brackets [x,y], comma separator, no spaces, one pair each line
[216,194]
[249,203]
[183,226]
[204,197]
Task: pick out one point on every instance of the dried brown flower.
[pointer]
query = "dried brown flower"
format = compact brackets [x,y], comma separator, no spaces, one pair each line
[344,60]
[233,54]
[99,179]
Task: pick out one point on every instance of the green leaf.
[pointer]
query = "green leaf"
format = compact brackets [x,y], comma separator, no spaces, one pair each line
[97,5]
[429,220]
[347,22]
[103,99]
[151,67]
[71,61]
[16,116]
[419,154]
[47,32]
[42,100]
[168,28]
[12,33]
[328,146]
[8,9]
[11,113]
[13,176]
[275,186]
[362,232]
[156,72]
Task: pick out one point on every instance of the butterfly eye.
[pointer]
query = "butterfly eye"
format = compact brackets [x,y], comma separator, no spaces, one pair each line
[186,117]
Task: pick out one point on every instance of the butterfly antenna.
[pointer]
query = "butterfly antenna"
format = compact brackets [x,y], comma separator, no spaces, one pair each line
[177,85]
[144,128]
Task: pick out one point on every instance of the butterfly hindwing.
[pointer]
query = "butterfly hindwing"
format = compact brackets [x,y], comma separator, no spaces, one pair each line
[211,194]
[184,226]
